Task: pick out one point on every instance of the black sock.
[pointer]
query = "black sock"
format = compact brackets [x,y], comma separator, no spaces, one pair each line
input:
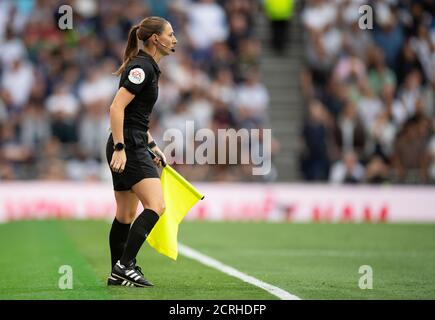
[117,239]
[139,231]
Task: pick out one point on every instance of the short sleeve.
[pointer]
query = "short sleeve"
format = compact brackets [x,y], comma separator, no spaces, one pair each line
[137,76]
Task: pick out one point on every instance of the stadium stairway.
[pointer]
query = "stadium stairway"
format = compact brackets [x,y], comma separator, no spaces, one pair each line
[280,74]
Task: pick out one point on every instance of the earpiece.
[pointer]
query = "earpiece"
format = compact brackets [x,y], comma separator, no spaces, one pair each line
[172,49]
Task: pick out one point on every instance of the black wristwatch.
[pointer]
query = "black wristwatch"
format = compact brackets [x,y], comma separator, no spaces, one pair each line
[119,146]
[152,144]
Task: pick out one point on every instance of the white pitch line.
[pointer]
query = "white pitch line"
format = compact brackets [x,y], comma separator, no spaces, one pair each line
[208,261]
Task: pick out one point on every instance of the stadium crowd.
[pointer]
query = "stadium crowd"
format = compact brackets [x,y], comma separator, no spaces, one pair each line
[369,93]
[56,85]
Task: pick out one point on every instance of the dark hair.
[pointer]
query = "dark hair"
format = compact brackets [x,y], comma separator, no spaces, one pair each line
[142,31]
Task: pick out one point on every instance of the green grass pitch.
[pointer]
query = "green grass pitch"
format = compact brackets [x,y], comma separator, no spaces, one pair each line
[312,261]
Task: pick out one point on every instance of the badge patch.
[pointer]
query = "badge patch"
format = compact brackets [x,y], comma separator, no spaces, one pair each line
[136,75]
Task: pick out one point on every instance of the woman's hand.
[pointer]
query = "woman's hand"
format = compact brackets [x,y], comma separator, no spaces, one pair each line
[160,159]
[119,159]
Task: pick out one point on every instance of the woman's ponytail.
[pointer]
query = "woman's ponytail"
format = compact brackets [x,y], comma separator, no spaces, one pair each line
[131,49]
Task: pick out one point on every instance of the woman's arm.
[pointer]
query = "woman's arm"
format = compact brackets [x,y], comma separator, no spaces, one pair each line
[122,98]
[156,150]
[150,137]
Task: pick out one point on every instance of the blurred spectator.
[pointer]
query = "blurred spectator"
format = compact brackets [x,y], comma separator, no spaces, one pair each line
[424,49]
[15,154]
[238,30]
[411,91]
[382,133]
[334,97]
[410,151]
[350,69]
[52,167]
[201,109]
[6,172]
[349,132]
[377,171]
[35,128]
[19,74]
[369,105]
[347,170]
[318,14]
[98,86]
[222,88]
[279,13]
[179,116]
[430,157]
[221,58]
[379,74]
[169,94]
[314,155]
[3,112]
[355,40]
[94,126]
[393,106]
[63,108]
[252,101]
[249,55]
[11,49]
[388,33]
[407,61]
[206,24]
[223,117]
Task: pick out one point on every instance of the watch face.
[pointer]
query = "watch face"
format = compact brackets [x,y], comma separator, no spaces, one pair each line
[119,146]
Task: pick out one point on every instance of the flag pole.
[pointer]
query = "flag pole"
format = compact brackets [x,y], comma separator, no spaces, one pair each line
[153,155]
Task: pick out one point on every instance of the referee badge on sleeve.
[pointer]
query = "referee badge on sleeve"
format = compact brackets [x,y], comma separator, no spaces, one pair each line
[136,75]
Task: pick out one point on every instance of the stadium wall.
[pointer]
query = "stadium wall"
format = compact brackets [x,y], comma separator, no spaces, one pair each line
[230,201]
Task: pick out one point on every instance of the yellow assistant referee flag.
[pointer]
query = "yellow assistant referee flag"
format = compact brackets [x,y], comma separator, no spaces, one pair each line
[179,197]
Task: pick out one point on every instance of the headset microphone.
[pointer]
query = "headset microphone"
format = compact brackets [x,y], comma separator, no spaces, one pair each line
[172,49]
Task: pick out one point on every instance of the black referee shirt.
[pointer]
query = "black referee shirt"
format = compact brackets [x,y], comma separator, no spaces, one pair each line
[140,77]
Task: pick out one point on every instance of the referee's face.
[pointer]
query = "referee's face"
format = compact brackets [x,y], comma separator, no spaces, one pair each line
[168,38]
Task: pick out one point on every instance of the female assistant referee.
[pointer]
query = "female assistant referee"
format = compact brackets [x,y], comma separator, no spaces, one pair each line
[134,173]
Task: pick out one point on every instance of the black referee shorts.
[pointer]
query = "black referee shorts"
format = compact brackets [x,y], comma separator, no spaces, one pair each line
[139,162]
